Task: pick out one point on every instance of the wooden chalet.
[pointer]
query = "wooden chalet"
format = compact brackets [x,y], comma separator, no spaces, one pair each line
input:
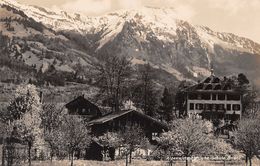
[117,121]
[83,107]
[112,122]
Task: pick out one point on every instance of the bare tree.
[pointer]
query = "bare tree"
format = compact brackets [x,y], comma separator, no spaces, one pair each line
[51,119]
[24,115]
[131,139]
[111,76]
[74,135]
[247,138]
[109,140]
[187,137]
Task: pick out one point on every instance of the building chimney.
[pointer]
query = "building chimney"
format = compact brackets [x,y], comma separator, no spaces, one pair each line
[212,72]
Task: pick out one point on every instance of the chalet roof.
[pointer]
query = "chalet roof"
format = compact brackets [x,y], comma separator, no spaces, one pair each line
[115,115]
[82,101]
[76,101]
[109,117]
[212,83]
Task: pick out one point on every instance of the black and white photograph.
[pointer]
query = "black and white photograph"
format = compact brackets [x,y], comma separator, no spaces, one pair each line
[129,82]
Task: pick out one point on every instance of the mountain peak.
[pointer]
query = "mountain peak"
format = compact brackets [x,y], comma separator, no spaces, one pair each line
[147,34]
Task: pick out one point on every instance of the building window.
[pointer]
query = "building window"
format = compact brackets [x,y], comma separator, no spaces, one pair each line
[221,96]
[220,106]
[229,107]
[206,96]
[214,96]
[233,97]
[206,106]
[199,106]
[191,106]
[236,107]
[214,107]
[199,96]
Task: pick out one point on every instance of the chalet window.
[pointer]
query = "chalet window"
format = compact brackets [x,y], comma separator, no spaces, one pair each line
[76,112]
[154,136]
[199,96]
[228,107]
[236,107]
[233,97]
[83,110]
[221,96]
[214,96]
[206,96]
[191,106]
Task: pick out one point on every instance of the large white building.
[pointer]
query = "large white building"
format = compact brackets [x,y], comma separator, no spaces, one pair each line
[214,98]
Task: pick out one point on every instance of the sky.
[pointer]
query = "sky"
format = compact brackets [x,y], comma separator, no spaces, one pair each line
[241,17]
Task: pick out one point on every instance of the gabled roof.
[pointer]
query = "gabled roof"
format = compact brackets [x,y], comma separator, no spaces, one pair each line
[109,117]
[212,83]
[118,114]
[81,101]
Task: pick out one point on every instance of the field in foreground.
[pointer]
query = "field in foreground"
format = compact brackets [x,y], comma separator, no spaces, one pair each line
[141,163]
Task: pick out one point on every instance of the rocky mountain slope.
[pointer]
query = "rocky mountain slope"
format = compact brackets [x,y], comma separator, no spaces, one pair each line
[175,48]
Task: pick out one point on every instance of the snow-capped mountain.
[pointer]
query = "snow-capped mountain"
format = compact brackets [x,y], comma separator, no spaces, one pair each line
[150,35]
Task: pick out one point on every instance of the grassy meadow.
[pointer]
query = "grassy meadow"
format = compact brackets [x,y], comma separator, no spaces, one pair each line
[142,163]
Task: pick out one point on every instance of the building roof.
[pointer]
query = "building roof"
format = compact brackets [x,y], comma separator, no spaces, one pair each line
[76,101]
[82,101]
[109,117]
[212,83]
[118,114]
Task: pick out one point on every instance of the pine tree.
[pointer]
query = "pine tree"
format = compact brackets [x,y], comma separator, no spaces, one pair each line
[144,94]
[167,105]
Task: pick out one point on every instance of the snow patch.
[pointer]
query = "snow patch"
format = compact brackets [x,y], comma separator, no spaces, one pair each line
[136,61]
[64,68]
[173,71]
[201,71]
